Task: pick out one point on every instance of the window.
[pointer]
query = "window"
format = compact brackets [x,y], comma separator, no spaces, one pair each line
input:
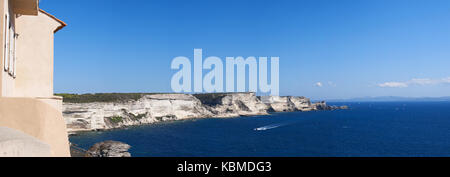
[12,50]
[10,47]
[6,47]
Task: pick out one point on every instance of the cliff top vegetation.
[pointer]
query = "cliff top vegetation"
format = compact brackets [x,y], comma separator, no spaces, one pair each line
[101,97]
[208,98]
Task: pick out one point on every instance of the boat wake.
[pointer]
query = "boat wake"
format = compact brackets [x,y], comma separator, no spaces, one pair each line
[268,127]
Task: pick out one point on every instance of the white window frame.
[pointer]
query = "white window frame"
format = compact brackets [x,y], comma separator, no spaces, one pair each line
[12,50]
[9,60]
[6,47]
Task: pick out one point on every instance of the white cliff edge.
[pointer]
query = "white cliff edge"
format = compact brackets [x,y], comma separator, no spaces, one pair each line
[169,107]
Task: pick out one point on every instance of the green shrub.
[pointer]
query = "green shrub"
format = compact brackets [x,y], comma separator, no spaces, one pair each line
[102,97]
[116,119]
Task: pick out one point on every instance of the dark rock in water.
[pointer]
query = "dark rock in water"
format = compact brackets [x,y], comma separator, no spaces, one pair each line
[109,149]
[322,106]
[76,151]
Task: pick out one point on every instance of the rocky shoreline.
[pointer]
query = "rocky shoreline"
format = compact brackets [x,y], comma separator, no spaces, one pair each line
[102,149]
[153,108]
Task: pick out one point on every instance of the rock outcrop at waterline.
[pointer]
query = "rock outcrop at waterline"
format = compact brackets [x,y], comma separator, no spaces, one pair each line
[288,103]
[109,149]
[151,108]
[102,149]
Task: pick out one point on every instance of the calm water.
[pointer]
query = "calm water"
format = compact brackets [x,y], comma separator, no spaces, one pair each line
[368,129]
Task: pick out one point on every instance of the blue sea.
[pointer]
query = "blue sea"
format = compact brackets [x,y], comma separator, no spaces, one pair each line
[379,129]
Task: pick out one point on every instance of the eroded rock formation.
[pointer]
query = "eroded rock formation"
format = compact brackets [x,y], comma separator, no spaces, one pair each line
[167,107]
[109,149]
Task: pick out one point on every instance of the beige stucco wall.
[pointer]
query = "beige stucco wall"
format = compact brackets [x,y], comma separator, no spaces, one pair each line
[7,81]
[37,119]
[27,103]
[2,42]
[35,56]
[55,101]
[44,24]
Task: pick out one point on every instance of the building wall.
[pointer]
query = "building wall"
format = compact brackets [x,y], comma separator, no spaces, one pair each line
[35,56]
[27,103]
[2,43]
[7,81]
[37,119]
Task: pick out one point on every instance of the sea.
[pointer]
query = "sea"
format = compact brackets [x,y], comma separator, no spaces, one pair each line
[367,129]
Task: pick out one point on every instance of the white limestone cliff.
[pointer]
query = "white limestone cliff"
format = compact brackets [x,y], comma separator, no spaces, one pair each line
[169,107]
[288,103]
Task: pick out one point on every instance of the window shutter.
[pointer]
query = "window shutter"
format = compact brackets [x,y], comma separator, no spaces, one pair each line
[6,51]
[15,57]
[11,50]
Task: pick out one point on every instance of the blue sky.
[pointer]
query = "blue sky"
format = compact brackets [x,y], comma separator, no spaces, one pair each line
[327,48]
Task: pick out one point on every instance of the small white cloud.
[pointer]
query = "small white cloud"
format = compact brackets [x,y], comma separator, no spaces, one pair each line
[419,82]
[332,84]
[318,84]
[446,80]
[423,81]
[393,84]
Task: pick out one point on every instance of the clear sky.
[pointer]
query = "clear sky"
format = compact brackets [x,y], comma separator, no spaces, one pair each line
[327,48]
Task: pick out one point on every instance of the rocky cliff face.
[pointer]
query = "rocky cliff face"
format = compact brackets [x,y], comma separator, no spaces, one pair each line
[233,104]
[288,103]
[148,109]
[168,107]
[109,149]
